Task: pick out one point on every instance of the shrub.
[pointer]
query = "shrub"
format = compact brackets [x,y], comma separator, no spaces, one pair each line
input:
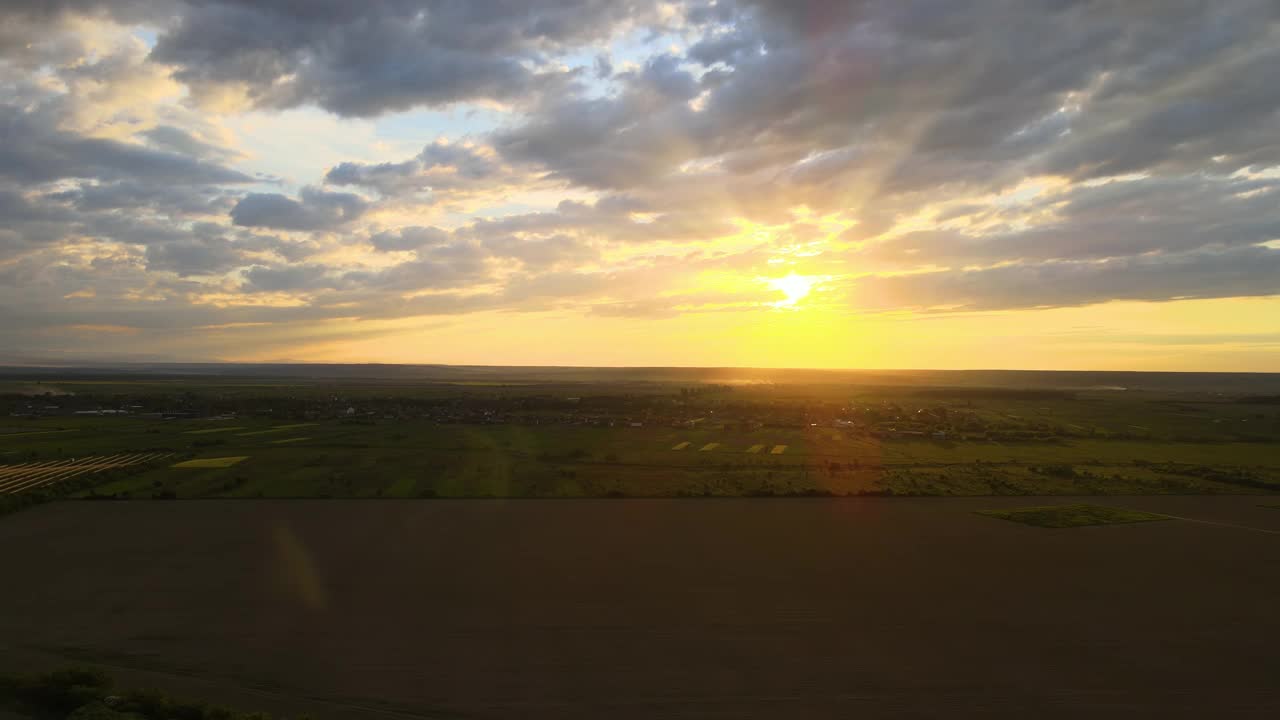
[97,710]
[62,691]
[82,694]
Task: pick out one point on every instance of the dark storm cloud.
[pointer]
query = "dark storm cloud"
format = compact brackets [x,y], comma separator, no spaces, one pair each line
[314,210]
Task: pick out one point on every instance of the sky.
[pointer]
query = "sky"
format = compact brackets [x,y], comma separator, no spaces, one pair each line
[1051,184]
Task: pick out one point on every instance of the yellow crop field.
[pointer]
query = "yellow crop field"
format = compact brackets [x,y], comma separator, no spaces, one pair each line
[778,449]
[276,429]
[708,446]
[682,446]
[755,448]
[213,430]
[36,432]
[216,462]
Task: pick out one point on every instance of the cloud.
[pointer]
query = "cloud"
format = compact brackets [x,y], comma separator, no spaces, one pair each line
[363,59]
[616,159]
[612,142]
[175,139]
[314,210]
[619,218]
[541,252]
[909,96]
[439,167]
[283,279]
[408,238]
[35,151]
[1118,219]
[194,256]
[132,194]
[1240,272]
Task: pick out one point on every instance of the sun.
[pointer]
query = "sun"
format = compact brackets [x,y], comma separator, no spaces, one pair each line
[795,287]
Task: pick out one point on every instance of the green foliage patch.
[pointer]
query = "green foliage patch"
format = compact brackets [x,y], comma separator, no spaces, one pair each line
[88,694]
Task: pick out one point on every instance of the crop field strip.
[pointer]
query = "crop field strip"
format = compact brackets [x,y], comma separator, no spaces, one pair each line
[1069,516]
[278,428]
[24,477]
[212,462]
[29,476]
[776,449]
[28,433]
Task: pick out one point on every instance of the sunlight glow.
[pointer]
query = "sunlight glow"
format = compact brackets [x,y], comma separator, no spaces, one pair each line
[795,287]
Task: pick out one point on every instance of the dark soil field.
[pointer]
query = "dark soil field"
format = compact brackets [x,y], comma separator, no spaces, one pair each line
[728,608]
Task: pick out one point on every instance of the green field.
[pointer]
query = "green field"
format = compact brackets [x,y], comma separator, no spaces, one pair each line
[418,459]
[572,438]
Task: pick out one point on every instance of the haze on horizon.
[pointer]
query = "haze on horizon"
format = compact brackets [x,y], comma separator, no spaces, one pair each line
[888,183]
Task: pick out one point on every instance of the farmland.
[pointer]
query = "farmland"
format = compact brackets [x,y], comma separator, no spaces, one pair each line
[414,459]
[337,550]
[24,477]
[847,607]
[1064,516]
[553,437]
